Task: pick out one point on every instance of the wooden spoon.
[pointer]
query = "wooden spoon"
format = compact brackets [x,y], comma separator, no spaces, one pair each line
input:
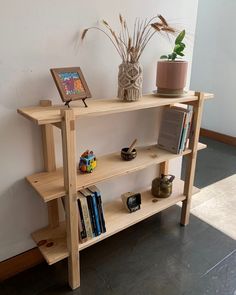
[132,146]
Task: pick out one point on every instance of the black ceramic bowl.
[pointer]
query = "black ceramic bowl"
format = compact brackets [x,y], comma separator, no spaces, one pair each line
[128,156]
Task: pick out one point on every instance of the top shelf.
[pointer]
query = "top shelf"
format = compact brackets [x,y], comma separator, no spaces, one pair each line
[96,107]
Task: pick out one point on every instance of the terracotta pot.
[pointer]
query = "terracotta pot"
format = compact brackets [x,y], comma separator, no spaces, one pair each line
[171,76]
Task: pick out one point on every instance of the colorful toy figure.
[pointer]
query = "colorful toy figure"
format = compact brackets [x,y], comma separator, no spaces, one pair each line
[87,162]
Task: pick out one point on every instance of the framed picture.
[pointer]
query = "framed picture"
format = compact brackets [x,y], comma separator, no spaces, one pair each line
[71,84]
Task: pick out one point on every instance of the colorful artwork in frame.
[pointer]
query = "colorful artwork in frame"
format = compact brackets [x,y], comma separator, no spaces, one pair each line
[71,84]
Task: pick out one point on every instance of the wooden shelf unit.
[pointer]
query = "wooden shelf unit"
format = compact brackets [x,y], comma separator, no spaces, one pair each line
[55,183]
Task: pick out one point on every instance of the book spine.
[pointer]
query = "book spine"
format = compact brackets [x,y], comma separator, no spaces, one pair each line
[189,128]
[82,229]
[92,215]
[63,203]
[96,214]
[182,134]
[100,212]
[86,216]
[185,130]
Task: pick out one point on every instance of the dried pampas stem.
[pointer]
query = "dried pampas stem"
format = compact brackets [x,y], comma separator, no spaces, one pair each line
[130,48]
[163,20]
[84,34]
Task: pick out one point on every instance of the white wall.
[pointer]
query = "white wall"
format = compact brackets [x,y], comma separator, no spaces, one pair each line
[214,63]
[37,36]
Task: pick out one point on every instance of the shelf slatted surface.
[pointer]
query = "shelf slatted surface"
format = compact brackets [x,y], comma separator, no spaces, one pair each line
[50,185]
[116,217]
[97,107]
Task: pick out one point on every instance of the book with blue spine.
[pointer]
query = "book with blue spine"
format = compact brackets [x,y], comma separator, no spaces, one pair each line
[97,193]
[95,208]
[91,197]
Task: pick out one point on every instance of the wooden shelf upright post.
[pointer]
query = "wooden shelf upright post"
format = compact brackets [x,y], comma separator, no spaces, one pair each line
[69,164]
[192,157]
[49,164]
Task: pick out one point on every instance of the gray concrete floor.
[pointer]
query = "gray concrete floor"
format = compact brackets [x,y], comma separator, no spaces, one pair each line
[216,162]
[156,256]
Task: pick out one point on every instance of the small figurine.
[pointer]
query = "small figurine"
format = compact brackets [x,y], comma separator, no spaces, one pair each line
[87,162]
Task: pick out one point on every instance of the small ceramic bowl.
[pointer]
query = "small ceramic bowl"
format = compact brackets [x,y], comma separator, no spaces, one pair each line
[128,156]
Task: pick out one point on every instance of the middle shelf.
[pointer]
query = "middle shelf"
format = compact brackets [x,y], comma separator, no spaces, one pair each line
[50,185]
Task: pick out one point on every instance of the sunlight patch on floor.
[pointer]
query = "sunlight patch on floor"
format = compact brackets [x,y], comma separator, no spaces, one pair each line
[216,205]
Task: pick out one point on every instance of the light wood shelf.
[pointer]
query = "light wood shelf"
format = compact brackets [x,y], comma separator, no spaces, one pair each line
[50,185]
[117,219]
[97,107]
[66,181]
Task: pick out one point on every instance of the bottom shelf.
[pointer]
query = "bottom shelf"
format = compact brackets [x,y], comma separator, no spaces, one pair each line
[116,217]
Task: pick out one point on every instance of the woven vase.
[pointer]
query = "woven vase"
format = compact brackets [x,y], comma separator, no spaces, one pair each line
[130,80]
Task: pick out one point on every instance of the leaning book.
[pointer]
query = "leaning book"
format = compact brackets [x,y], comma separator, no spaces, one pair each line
[171,129]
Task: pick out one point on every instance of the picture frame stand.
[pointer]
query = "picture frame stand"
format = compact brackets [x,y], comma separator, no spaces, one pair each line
[83,100]
[67,103]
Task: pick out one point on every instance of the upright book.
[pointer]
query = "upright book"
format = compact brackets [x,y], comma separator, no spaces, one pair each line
[97,193]
[86,216]
[81,223]
[93,209]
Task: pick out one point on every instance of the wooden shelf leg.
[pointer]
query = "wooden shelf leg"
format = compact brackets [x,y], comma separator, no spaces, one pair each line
[49,164]
[69,164]
[191,158]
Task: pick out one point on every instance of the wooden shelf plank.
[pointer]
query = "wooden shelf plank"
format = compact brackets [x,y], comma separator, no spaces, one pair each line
[50,185]
[117,219]
[97,107]
[56,235]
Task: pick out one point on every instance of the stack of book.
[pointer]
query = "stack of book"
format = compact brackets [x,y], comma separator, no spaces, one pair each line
[91,217]
[175,129]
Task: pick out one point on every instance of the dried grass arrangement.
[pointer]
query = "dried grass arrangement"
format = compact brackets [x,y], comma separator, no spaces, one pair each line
[130,47]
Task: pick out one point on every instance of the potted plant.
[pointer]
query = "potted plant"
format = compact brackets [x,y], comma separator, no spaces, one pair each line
[130,46]
[172,71]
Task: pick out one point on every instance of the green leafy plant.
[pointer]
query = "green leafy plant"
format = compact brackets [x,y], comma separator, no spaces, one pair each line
[178,49]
